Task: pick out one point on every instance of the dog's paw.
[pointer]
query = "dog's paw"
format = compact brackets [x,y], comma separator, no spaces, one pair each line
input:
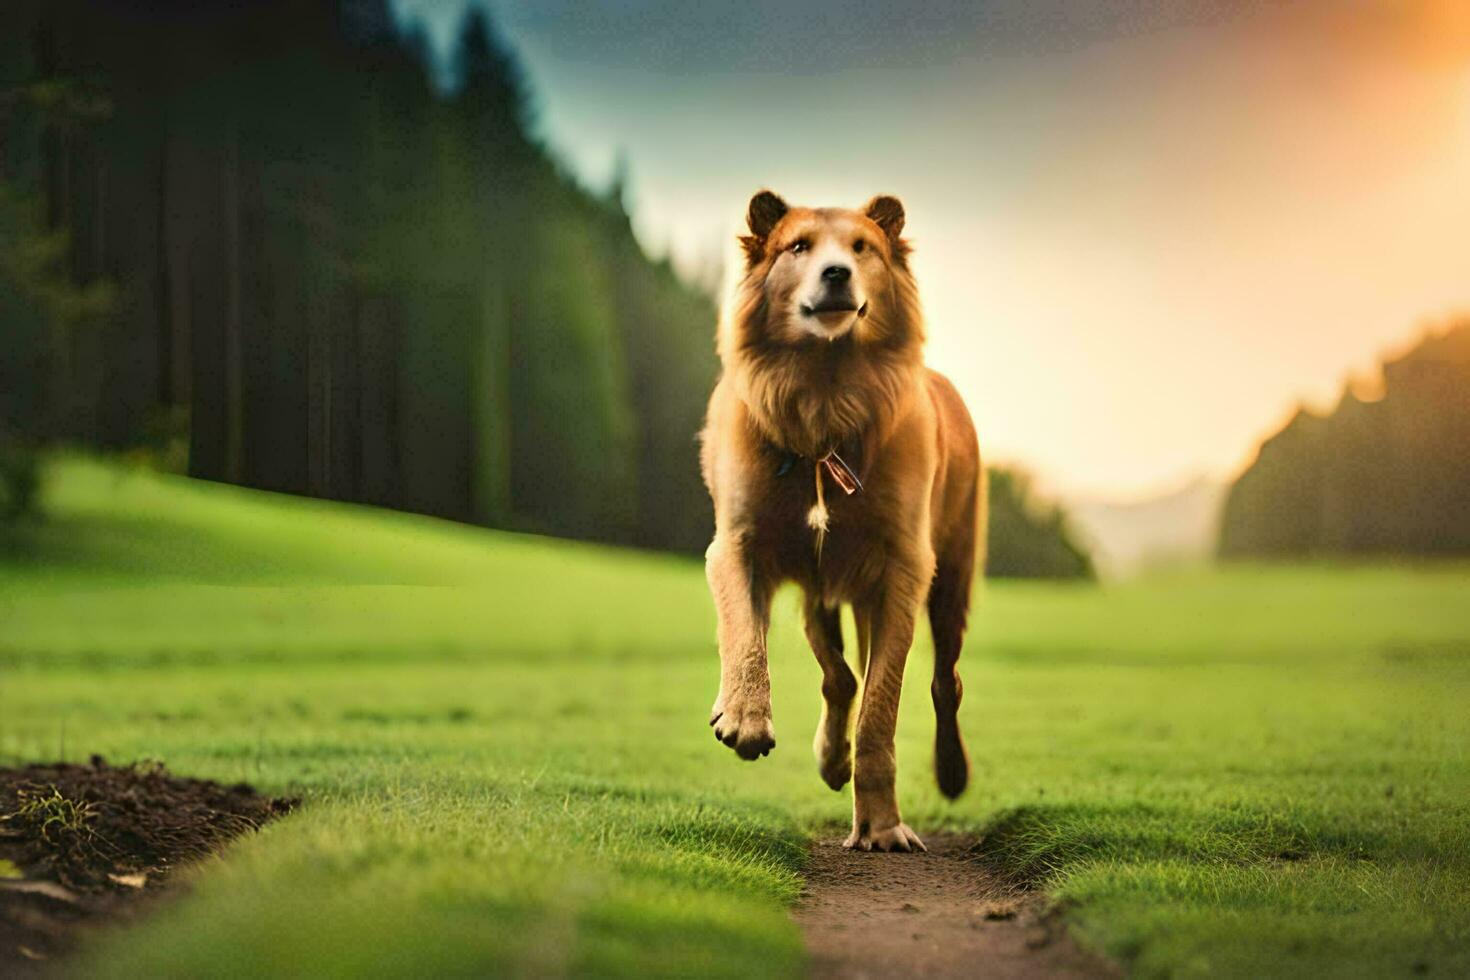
[951,766]
[744,727]
[834,760]
[896,838]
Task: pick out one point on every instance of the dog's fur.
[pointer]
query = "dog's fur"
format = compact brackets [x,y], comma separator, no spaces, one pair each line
[815,361]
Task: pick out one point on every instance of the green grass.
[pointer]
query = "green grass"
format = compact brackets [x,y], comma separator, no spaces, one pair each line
[502,745]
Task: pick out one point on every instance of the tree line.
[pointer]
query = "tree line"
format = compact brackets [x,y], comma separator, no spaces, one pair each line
[257,242]
[259,229]
[1388,475]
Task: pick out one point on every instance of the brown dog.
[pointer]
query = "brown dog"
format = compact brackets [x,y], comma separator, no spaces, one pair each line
[837,460]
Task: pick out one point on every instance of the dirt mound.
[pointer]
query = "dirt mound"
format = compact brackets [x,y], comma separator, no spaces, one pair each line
[937,914]
[82,843]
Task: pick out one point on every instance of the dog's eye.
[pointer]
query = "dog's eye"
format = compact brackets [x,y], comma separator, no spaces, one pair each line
[858,246]
[800,245]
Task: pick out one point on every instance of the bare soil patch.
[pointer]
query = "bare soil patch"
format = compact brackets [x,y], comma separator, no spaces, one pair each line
[935,914]
[85,844]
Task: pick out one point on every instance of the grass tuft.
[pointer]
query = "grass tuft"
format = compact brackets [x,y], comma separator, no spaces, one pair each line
[45,813]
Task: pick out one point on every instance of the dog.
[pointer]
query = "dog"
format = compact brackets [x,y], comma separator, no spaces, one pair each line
[837,460]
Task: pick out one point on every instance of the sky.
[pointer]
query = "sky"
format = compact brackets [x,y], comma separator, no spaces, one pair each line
[1144,230]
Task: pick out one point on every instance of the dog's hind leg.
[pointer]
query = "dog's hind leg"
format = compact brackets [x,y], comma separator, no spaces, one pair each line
[949,607]
[833,744]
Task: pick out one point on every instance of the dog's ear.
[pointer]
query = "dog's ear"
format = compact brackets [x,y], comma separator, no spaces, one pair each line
[765,210]
[887,213]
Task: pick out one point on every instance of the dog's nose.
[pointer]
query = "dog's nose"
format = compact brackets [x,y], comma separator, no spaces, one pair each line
[836,274]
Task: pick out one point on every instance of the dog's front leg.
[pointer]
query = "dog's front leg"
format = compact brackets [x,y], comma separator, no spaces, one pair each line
[742,713]
[876,823]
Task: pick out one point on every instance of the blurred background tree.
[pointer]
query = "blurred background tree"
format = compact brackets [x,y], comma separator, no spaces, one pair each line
[1031,537]
[1387,475]
[52,300]
[283,248]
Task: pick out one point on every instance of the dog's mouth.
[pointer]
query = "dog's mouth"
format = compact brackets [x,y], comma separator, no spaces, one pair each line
[833,306]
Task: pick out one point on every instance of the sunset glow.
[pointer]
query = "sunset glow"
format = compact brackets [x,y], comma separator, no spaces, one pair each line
[1142,238]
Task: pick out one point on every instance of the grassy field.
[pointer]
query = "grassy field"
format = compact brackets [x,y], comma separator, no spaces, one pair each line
[502,746]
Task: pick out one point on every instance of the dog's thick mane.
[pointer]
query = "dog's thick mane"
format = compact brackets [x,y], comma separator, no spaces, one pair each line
[814,395]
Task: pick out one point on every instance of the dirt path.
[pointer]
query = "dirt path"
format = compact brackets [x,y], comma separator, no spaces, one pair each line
[938,914]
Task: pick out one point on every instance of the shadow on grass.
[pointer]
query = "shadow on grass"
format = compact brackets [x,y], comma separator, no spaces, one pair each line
[1031,845]
[124,545]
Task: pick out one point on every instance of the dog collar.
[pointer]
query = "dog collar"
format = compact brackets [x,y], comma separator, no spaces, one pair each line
[837,468]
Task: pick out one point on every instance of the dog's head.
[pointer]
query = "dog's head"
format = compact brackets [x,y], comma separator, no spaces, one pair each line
[822,274]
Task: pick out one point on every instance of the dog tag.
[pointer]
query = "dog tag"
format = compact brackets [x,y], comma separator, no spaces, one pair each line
[841,473]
